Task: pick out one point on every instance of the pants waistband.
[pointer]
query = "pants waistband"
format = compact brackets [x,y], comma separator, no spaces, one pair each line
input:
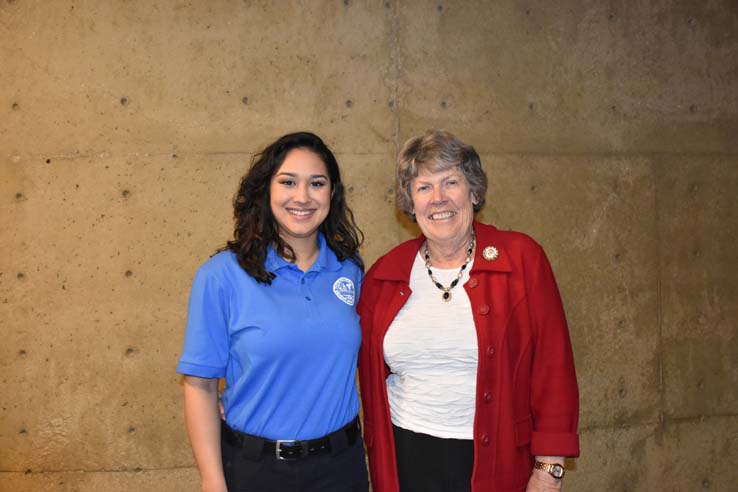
[255,446]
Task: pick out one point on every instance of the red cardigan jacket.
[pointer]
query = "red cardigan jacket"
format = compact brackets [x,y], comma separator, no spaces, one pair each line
[527,401]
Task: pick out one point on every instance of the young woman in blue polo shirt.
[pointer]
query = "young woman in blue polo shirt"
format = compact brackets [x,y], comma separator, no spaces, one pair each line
[274,314]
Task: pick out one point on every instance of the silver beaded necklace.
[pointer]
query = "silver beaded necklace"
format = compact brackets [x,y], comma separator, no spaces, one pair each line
[447,290]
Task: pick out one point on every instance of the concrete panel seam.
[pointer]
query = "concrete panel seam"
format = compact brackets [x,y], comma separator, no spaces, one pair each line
[112,470]
[663,421]
[395,67]
[656,173]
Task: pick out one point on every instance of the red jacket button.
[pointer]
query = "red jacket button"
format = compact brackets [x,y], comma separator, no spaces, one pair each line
[485,440]
[483,309]
[490,351]
[473,282]
[487,397]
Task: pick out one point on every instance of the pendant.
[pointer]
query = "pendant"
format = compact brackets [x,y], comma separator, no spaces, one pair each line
[447,296]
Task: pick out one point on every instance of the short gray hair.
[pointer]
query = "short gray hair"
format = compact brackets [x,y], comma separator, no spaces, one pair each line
[437,150]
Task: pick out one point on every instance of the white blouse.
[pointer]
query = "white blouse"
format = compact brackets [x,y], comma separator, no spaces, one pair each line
[431,349]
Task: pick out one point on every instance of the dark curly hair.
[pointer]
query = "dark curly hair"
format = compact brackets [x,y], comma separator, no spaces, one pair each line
[256,229]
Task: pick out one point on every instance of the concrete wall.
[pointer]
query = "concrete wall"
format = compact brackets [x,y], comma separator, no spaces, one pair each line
[609,130]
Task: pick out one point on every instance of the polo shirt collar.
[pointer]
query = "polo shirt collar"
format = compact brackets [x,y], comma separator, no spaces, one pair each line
[326,260]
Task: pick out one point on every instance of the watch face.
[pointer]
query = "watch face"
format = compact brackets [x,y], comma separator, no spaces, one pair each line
[558,471]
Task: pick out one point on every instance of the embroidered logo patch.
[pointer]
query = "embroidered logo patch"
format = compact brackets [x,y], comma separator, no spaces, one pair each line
[344,289]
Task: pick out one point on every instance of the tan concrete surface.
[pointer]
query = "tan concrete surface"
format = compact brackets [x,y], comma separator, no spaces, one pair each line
[169,480]
[688,455]
[699,228]
[572,76]
[609,131]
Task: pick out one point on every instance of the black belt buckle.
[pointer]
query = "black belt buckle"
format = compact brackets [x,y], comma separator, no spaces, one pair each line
[293,447]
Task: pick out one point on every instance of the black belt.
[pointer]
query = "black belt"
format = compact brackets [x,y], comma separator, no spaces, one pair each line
[288,449]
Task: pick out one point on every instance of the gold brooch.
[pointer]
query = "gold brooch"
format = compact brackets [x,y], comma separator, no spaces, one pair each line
[490,253]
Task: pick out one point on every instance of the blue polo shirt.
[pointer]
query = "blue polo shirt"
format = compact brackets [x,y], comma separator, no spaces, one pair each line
[288,351]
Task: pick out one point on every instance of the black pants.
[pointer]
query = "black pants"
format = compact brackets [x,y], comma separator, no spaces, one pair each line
[432,464]
[343,471]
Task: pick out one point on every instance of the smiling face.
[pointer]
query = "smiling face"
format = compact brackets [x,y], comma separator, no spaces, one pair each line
[444,206]
[300,196]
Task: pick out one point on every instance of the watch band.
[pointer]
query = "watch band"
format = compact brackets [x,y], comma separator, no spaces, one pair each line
[554,469]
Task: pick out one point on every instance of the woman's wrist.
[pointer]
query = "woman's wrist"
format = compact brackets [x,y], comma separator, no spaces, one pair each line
[550,469]
[214,485]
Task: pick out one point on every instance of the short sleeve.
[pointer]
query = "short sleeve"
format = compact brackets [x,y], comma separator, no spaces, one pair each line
[206,347]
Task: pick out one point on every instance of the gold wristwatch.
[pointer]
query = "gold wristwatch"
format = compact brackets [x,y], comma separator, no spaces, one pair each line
[554,469]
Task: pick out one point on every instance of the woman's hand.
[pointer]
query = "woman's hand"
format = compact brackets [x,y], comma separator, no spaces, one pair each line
[540,481]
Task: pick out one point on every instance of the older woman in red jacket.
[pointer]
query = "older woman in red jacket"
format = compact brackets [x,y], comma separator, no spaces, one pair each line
[466,368]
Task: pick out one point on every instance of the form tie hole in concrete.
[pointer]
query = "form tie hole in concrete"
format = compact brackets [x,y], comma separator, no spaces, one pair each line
[622,392]
[693,108]
[621,324]
[692,22]
[705,484]
[22,353]
[125,193]
[533,188]
[391,104]
[618,257]
[346,2]
[439,7]
[23,432]
[174,156]
[696,253]
[19,196]
[349,103]
[20,276]
[444,104]
[15,107]
[130,351]
[532,107]
[128,274]
[611,17]
[700,384]
[245,99]
[693,188]
[48,161]
[124,101]
[131,430]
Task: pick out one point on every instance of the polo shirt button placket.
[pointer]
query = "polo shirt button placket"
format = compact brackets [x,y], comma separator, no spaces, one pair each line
[307,294]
